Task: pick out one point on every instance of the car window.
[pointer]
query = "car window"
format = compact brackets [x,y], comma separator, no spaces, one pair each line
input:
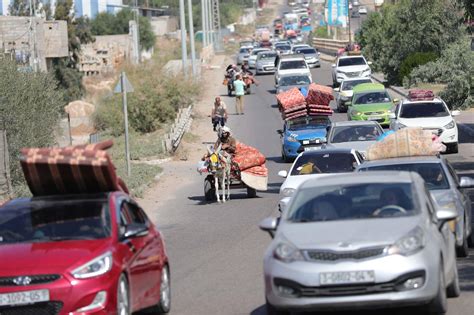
[308,122]
[372,98]
[432,173]
[294,80]
[48,221]
[244,50]
[349,85]
[353,202]
[417,110]
[355,133]
[266,56]
[293,64]
[453,173]
[305,51]
[355,61]
[283,47]
[324,163]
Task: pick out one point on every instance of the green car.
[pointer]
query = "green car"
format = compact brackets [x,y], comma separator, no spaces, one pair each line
[370,102]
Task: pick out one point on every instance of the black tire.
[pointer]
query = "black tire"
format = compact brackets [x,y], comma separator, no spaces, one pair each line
[284,158]
[454,289]
[463,250]
[271,310]
[439,305]
[453,148]
[251,193]
[247,90]
[164,304]
[229,91]
[123,296]
[209,191]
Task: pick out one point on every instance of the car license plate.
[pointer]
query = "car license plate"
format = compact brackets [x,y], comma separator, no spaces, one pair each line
[346,277]
[312,148]
[375,117]
[305,141]
[25,297]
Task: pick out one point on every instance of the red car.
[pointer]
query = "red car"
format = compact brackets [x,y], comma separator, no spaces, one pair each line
[81,254]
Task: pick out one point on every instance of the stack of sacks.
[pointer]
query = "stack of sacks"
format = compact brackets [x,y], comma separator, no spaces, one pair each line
[420,95]
[318,99]
[70,170]
[252,167]
[405,142]
[292,104]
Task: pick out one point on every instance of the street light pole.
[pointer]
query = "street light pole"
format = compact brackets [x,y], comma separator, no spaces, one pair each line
[182,25]
[191,39]
[203,22]
[349,23]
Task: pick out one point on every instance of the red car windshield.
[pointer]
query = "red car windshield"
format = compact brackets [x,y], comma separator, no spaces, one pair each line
[54,221]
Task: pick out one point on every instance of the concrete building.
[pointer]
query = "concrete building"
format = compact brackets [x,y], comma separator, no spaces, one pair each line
[18,42]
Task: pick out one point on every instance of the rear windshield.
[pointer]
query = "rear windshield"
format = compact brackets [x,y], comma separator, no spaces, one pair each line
[244,50]
[368,201]
[432,173]
[324,163]
[355,133]
[305,51]
[372,98]
[418,110]
[355,61]
[308,122]
[294,80]
[256,51]
[47,222]
[349,85]
[266,56]
[293,64]
[283,47]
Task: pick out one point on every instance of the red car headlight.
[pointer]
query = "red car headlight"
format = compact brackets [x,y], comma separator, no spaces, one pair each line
[96,267]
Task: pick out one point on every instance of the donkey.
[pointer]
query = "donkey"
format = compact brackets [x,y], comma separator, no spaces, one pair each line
[219,166]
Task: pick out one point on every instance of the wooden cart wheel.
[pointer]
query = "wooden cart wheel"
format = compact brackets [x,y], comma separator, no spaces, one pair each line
[251,193]
[209,190]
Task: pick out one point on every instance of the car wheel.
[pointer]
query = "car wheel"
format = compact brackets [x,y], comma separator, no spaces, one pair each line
[284,157]
[454,289]
[251,193]
[271,310]
[452,148]
[439,305]
[123,297]
[463,250]
[164,305]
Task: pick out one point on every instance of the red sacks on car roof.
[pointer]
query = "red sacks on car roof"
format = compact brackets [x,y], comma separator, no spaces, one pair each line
[421,95]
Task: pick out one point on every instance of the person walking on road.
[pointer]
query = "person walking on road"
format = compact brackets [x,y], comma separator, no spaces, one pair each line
[239,88]
[219,113]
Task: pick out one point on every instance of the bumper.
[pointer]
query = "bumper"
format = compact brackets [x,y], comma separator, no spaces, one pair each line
[313,63]
[449,135]
[291,149]
[342,76]
[383,120]
[389,271]
[68,295]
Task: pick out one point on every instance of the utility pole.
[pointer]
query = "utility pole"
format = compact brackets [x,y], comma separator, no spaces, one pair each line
[138,31]
[349,22]
[182,25]
[191,39]
[209,22]
[203,22]
[34,55]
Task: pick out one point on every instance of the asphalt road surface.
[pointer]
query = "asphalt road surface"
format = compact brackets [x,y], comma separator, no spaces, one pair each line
[216,250]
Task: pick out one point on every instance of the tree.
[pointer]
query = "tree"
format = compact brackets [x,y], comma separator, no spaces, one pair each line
[19,8]
[79,32]
[109,24]
[408,27]
[31,105]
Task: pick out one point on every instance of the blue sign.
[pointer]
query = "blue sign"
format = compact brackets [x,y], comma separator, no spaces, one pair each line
[337,12]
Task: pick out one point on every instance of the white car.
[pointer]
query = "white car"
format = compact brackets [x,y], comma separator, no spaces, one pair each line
[316,163]
[296,46]
[291,64]
[362,10]
[253,56]
[345,92]
[347,67]
[431,115]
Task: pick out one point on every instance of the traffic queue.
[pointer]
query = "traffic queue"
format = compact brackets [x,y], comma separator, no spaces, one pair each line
[372,214]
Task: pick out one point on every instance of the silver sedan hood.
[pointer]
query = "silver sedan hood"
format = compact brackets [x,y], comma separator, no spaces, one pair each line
[354,233]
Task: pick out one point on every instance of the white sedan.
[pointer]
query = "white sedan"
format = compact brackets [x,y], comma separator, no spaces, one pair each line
[316,164]
[362,10]
[253,56]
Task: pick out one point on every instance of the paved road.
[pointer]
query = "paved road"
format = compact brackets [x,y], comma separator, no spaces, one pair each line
[216,250]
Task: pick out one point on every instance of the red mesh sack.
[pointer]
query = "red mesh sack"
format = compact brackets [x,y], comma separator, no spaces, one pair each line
[290,98]
[420,95]
[319,94]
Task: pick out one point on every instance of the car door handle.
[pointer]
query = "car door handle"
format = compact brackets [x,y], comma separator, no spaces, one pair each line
[131,247]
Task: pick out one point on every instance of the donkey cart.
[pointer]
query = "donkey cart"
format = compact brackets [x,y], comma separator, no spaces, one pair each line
[235,183]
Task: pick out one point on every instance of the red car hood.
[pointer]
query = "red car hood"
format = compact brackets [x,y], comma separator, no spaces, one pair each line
[51,257]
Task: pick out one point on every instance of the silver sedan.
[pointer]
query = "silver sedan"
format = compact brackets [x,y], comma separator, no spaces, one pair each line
[360,240]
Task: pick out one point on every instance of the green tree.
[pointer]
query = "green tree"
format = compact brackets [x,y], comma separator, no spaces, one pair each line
[31,105]
[79,32]
[109,24]
[19,8]
[408,27]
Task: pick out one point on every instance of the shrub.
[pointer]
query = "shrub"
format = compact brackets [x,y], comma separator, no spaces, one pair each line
[414,60]
[30,105]
[109,116]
